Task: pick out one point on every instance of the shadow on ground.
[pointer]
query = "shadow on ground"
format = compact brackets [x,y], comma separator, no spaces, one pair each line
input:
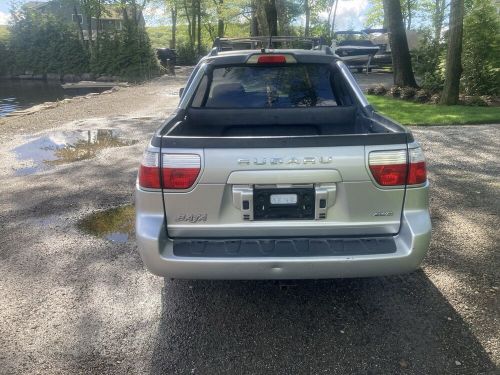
[358,326]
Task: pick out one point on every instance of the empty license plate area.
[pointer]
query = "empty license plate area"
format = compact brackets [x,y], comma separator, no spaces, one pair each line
[283,203]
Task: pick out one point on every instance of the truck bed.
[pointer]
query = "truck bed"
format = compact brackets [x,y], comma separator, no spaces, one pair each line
[279,127]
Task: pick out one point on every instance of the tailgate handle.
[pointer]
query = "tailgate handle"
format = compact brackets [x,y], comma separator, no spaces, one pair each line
[304,176]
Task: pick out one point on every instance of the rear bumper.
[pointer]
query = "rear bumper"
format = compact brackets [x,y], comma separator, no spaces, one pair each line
[157,252]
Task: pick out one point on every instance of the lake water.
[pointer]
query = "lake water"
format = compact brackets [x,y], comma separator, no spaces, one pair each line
[17,94]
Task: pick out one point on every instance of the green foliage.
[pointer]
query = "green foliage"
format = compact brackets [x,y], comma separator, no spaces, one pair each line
[481,45]
[411,113]
[428,63]
[186,54]
[4,34]
[42,43]
[4,59]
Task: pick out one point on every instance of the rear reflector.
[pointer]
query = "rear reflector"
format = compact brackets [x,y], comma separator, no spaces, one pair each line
[149,171]
[418,170]
[179,171]
[389,168]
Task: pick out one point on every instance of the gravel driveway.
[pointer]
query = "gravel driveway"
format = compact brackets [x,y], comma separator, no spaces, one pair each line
[74,303]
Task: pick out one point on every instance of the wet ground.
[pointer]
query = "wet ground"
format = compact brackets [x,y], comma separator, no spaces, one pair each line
[55,148]
[114,224]
[76,299]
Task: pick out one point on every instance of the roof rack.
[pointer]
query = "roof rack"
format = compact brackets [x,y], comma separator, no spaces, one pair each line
[260,42]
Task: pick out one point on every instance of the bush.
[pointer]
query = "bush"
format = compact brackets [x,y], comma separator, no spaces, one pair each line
[4,59]
[435,99]
[395,91]
[370,90]
[186,54]
[380,90]
[44,44]
[429,62]
[473,101]
[408,93]
[422,96]
[481,44]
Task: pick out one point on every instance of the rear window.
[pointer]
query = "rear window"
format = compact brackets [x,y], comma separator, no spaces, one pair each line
[289,86]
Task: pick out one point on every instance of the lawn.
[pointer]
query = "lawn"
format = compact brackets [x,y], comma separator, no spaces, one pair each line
[409,113]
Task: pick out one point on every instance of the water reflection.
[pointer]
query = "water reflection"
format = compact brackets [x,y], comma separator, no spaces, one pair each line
[19,94]
[65,147]
[115,224]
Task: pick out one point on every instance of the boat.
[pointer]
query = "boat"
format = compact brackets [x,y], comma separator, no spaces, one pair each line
[355,48]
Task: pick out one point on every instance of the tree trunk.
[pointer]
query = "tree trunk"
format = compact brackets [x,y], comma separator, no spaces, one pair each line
[220,21]
[198,11]
[89,28]
[193,23]
[254,23]
[189,27]
[307,11]
[272,17]
[408,23]
[173,41]
[438,18]
[401,60]
[454,54]
[80,29]
[334,17]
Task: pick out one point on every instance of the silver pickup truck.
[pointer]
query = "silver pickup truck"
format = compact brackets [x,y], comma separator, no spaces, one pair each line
[275,166]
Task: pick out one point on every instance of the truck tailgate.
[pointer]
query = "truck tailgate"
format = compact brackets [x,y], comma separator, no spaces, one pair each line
[284,192]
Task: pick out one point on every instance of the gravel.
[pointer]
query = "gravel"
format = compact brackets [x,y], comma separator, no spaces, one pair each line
[74,303]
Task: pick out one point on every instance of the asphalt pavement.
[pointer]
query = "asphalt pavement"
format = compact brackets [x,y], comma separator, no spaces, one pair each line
[74,303]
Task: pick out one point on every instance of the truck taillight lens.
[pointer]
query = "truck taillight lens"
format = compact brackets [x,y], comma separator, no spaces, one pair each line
[179,171]
[418,171]
[149,171]
[389,168]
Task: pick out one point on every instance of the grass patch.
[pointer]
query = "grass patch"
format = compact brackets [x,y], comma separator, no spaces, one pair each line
[408,113]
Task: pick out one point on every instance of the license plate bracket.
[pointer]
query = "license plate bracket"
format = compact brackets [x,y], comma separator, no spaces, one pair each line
[284,203]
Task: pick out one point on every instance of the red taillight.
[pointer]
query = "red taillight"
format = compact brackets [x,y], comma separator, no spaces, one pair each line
[389,175]
[389,168]
[271,59]
[179,171]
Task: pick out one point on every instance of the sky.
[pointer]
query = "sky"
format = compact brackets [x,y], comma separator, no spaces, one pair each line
[350,14]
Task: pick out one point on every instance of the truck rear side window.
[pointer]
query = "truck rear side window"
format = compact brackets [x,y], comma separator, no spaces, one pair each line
[283,86]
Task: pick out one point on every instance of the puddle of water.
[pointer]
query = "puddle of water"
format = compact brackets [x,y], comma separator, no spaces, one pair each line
[115,224]
[66,147]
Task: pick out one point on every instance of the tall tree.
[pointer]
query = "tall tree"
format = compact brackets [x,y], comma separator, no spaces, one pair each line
[254,21]
[438,18]
[454,54]
[271,16]
[307,11]
[401,60]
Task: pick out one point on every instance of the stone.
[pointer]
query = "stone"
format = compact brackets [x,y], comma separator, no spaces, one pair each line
[104,78]
[69,78]
[88,77]
[53,77]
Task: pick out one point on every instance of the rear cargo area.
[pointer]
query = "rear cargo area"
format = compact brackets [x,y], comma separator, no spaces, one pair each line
[207,122]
